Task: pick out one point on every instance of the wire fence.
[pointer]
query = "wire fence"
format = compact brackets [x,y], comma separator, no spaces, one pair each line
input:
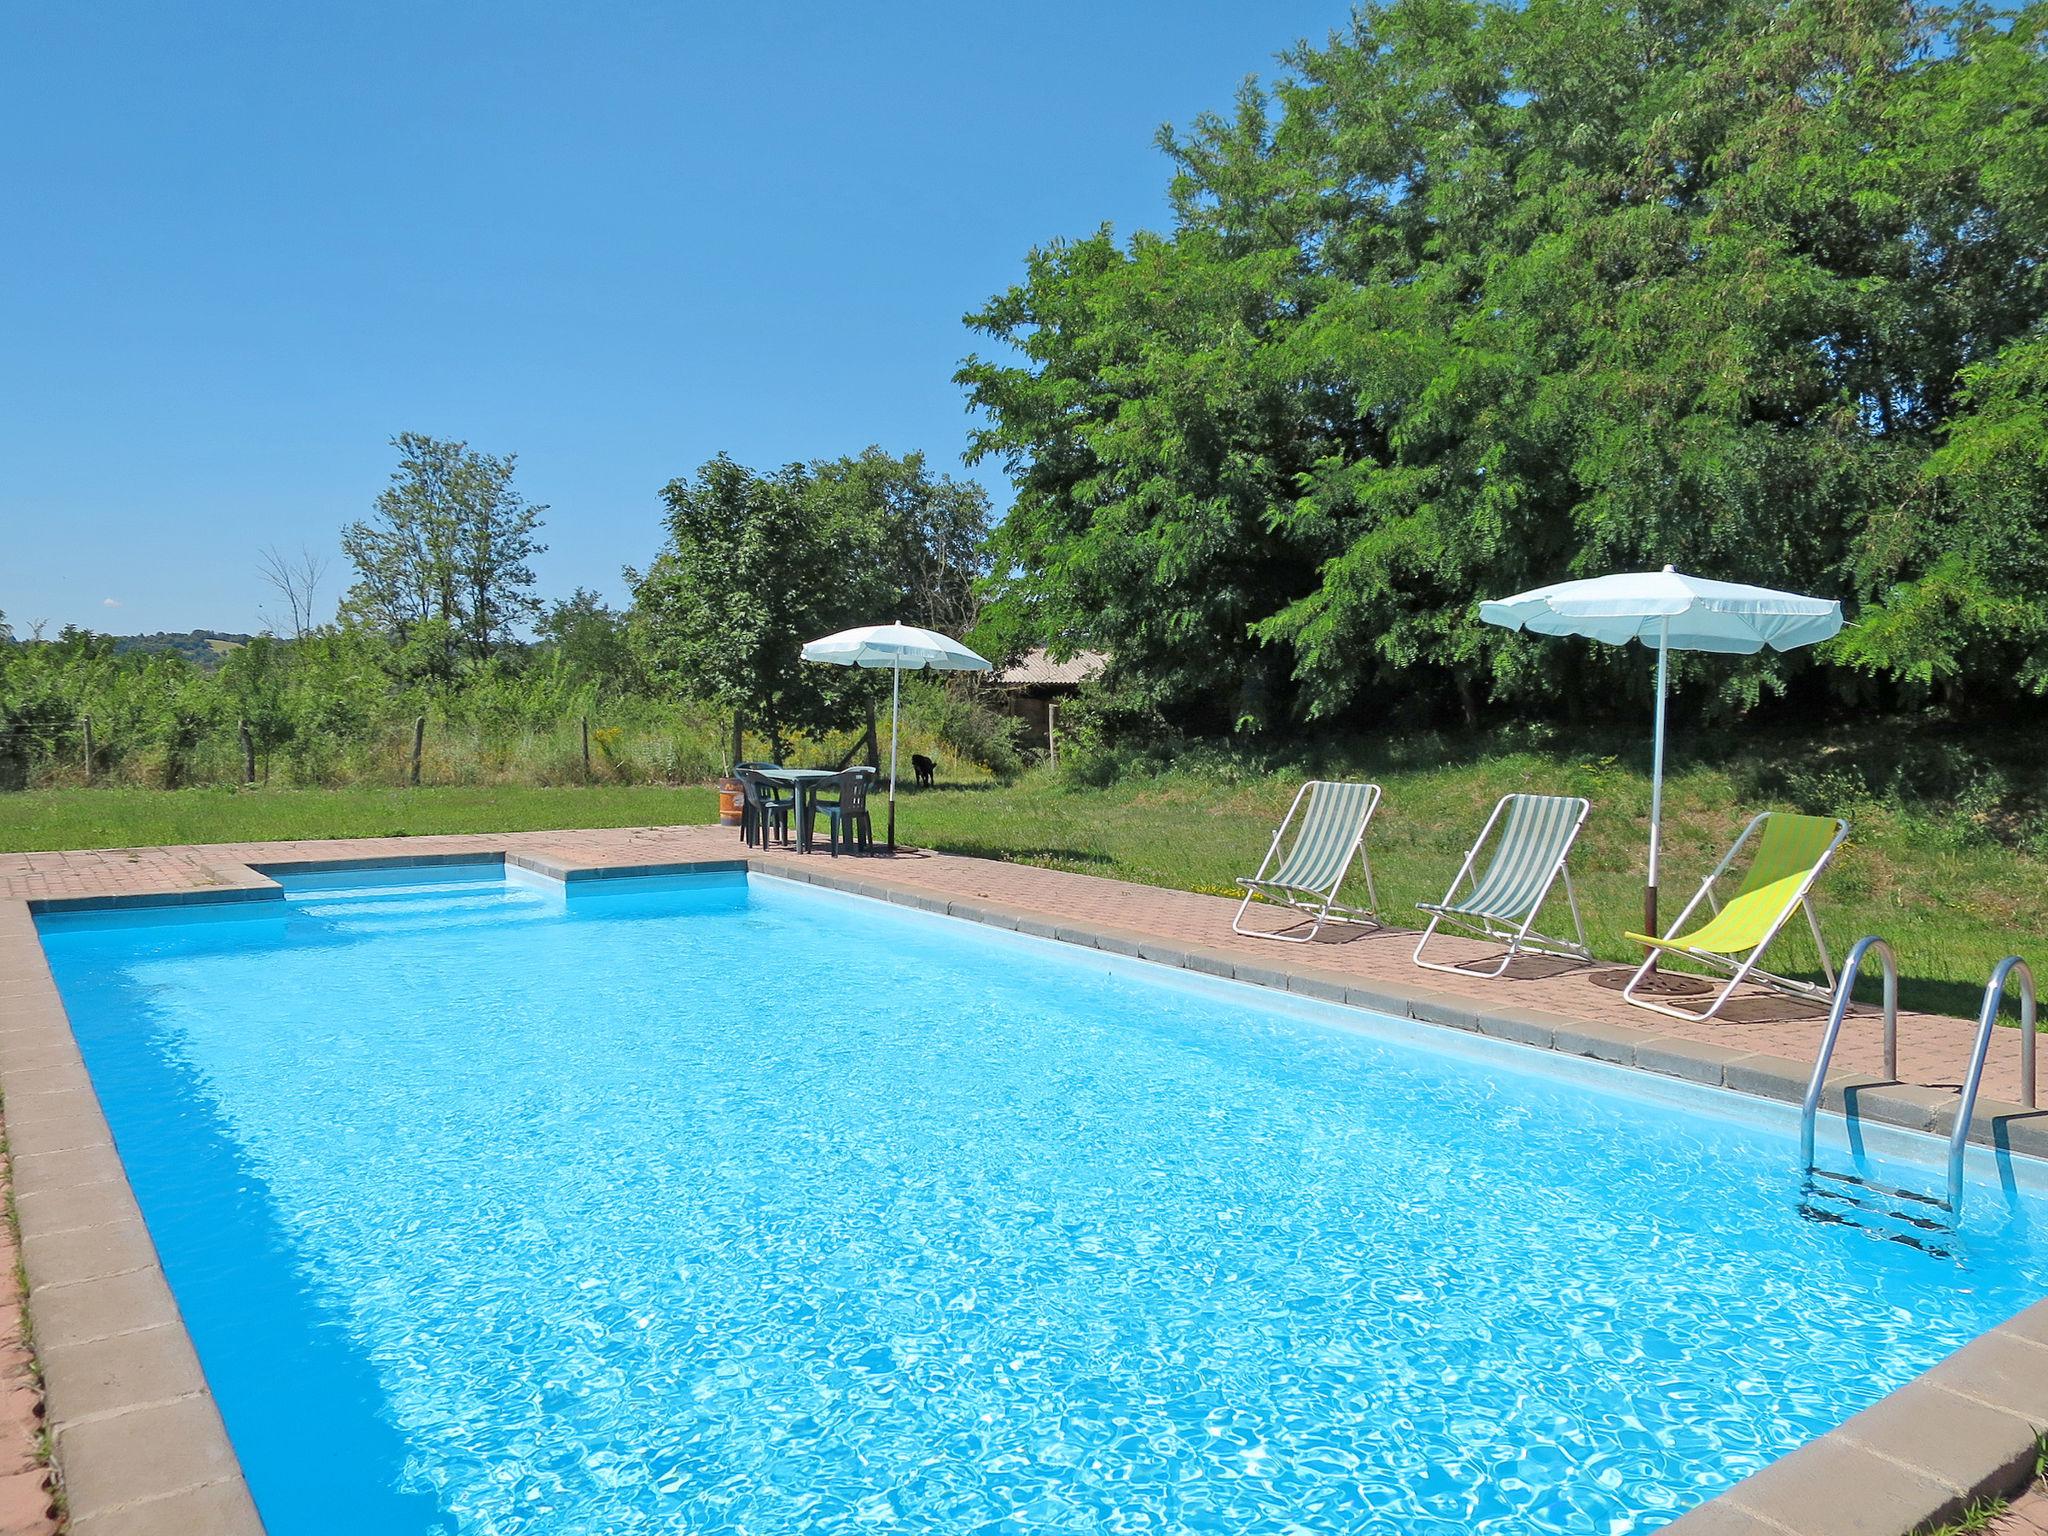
[428,750]
[422,750]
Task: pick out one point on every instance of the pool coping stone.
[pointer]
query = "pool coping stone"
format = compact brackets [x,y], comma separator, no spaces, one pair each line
[138,1442]
[140,1445]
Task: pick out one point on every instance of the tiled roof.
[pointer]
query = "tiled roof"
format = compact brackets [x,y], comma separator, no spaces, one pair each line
[1038,670]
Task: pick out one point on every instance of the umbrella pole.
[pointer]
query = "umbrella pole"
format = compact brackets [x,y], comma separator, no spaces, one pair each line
[895,708]
[1657,786]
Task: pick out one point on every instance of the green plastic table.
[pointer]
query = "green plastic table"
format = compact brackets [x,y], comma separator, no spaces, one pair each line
[803,785]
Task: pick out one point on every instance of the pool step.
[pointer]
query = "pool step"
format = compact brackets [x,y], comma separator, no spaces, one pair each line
[390,911]
[1880,1210]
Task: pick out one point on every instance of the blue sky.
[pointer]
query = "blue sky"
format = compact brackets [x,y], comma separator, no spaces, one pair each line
[248,243]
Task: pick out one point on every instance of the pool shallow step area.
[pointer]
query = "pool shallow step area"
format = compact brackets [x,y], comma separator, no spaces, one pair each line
[1963,1427]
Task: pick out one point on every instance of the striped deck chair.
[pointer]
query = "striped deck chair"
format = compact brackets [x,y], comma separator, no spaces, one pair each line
[1331,830]
[1792,852]
[1536,837]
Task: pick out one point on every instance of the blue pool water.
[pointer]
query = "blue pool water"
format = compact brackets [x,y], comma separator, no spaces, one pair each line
[706,1206]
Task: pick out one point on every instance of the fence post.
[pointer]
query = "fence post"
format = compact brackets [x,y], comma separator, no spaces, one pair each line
[1052,740]
[248,752]
[88,749]
[419,742]
[586,749]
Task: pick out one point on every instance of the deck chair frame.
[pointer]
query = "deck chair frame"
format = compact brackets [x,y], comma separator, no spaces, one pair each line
[1524,939]
[1317,904]
[1746,968]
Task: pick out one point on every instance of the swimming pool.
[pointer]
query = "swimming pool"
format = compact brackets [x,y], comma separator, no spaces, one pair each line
[699,1204]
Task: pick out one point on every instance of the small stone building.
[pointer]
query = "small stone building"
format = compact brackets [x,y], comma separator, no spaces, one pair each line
[1033,688]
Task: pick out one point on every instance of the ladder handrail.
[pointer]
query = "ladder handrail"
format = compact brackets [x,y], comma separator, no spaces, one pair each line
[1987,1020]
[1845,989]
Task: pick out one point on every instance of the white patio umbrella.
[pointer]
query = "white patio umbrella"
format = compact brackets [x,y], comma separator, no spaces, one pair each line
[1671,611]
[900,648]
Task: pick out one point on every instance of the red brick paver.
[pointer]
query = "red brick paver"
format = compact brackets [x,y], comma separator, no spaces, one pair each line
[25,1502]
[2027,1516]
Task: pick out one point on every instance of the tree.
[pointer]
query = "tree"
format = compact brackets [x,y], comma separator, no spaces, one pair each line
[255,679]
[404,556]
[1484,295]
[589,643]
[753,567]
[494,549]
[935,532]
[450,544]
[756,564]
[296,581]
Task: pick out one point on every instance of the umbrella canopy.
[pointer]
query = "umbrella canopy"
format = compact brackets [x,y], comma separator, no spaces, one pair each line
[894,645]
[1667,607]
[1671,611]
[901,648]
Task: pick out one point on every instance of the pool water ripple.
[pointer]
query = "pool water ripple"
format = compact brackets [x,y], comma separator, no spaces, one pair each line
[744,1208]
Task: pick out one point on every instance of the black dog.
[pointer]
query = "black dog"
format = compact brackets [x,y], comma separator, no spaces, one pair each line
[925,768]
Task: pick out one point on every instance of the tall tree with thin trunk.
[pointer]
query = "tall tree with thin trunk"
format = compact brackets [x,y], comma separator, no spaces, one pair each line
[450,544]
[296,580]
[494,554]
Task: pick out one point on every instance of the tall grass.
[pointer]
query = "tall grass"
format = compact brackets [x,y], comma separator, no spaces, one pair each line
[631,742]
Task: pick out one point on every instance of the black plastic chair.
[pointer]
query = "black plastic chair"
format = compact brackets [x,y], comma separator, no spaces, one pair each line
[848,814]
[762,812]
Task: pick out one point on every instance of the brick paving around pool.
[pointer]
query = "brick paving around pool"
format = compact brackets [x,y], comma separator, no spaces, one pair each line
[2027,1516]
[140,1444]
[27,1506]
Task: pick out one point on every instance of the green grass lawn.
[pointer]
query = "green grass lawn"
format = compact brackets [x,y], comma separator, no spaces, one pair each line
[1951,903]
[1951,908]
[130,818]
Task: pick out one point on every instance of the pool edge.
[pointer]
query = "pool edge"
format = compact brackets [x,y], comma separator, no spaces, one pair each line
[145,1448]
[135,1435]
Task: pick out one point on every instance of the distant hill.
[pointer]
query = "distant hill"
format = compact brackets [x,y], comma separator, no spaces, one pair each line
[201,647]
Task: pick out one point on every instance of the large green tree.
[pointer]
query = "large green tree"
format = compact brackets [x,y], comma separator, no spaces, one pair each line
[932,533]
[589,644]
[1481,296]
[756,563]
[447,558]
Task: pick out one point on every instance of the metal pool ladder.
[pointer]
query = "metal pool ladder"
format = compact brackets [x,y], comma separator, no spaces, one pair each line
[1959,1138]
[1844,991]
[1849,1192]
[1987,1020]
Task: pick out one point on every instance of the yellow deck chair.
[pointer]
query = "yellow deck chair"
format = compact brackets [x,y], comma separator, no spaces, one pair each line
[1791,854]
